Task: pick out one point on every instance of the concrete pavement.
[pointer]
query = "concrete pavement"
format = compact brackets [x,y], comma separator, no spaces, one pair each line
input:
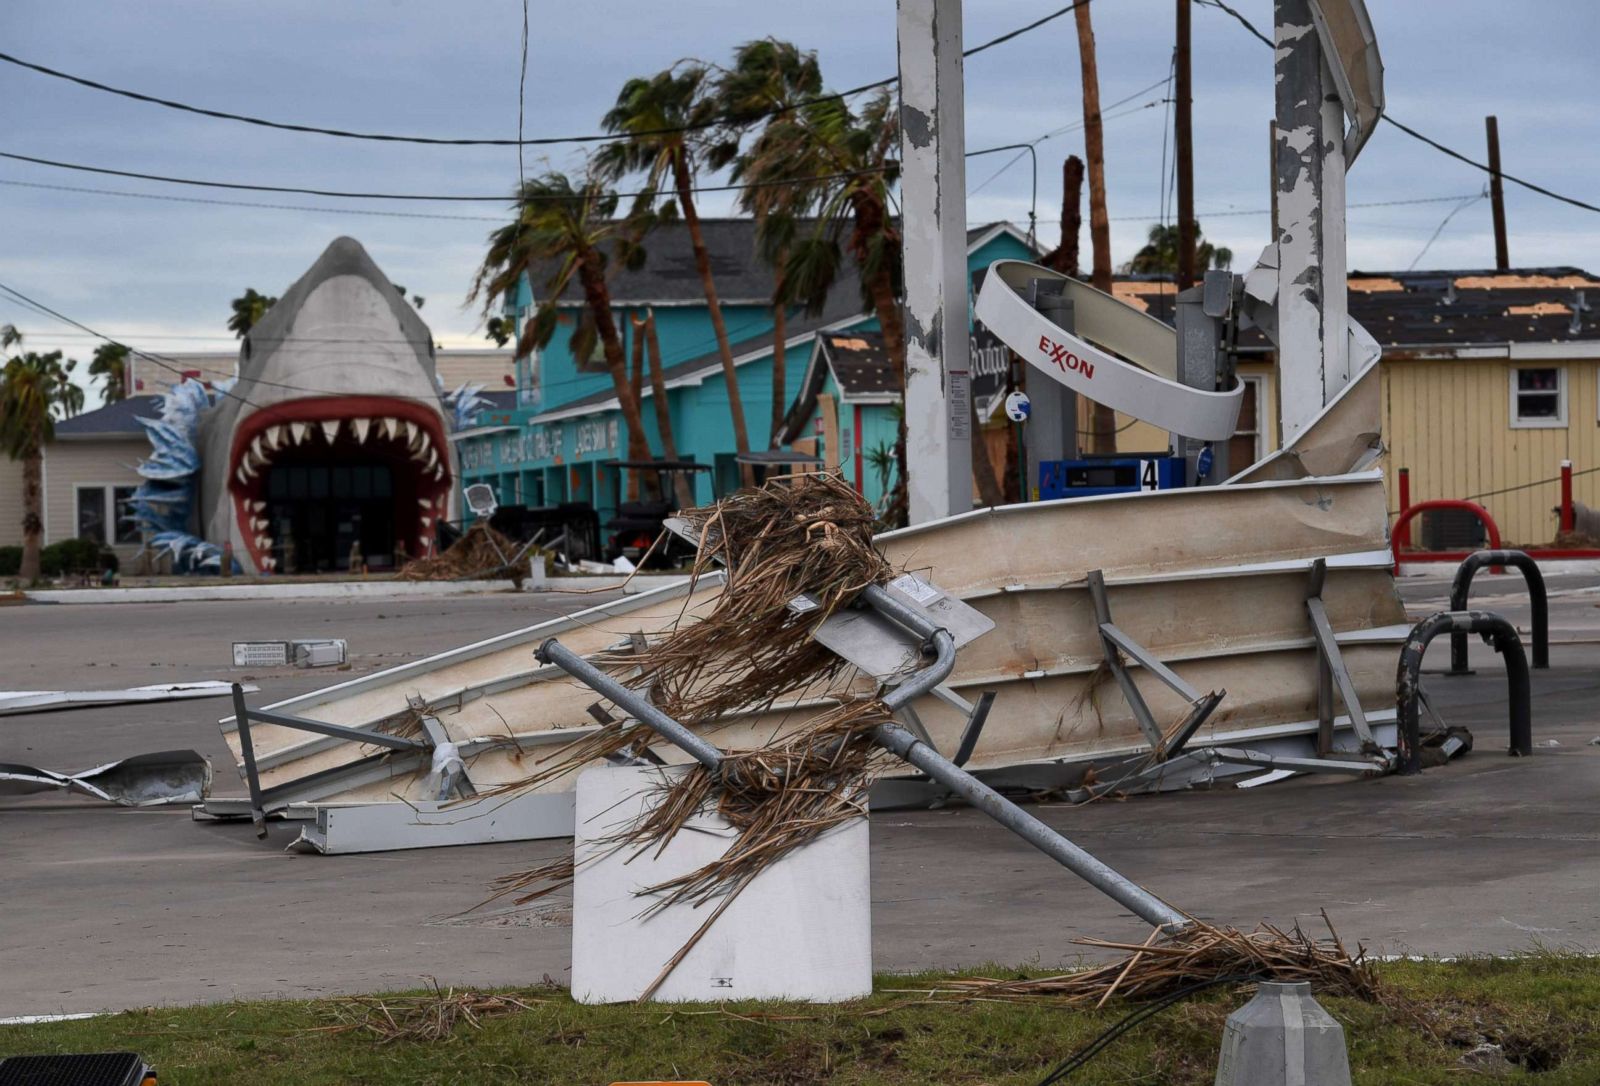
[109,908]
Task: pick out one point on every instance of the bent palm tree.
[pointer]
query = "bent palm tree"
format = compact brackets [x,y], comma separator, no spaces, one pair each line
[567,229]
[673,100]
[769,79]
[34,388]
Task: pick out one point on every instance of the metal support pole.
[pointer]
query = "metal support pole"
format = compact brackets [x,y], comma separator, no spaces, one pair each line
[1408,680]
[1052,431]
[899,741]
[554,652]
[1462,584]
[1402,531]
[1313,342]
[933,185]
[1566,496]
[247,751]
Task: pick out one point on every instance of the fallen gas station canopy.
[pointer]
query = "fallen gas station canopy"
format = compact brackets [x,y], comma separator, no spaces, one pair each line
[1274,594]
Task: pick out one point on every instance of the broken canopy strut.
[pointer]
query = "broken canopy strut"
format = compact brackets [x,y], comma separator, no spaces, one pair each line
[901,742]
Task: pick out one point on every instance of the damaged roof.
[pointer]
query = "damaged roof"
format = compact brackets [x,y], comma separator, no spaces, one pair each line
[860,368]
[1443,308]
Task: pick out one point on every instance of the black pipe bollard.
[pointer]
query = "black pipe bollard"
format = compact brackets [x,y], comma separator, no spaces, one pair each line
[1536,593]
[1408,681]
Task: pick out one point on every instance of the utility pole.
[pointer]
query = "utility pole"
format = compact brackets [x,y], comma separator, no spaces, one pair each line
[1497,197]
[933,187]
[1183,133]
[1313,338]
[1102,419]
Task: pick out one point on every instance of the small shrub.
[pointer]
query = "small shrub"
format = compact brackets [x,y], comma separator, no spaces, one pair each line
[10,561]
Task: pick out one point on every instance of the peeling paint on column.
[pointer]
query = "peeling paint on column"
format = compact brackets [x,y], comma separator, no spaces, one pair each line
[1309,171]
[938,439]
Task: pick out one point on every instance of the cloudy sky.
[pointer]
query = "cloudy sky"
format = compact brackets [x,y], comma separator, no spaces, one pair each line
[159,273]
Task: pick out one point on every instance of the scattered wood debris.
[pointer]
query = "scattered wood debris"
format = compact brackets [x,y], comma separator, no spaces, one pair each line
[432,1017]
[480,554]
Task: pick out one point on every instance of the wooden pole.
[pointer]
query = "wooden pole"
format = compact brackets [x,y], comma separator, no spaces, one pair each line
[1183,133]
[1102,419]
[1497,197]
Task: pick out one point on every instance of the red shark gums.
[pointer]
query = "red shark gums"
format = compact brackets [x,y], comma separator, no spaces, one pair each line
[1065,359]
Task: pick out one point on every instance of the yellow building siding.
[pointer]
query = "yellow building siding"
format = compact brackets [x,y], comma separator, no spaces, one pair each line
[1136,436]
[1449,421]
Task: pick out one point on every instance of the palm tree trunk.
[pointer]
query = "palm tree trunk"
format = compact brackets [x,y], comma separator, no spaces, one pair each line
[32,513]
[591,274]
[702,260]
[638,376]
[780,380]
[1103,420]
[658,393]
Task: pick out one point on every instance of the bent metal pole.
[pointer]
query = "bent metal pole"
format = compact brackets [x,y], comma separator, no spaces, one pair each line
[897,740]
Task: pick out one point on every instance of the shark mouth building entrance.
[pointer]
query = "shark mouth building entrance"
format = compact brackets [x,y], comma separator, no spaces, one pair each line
[331,452]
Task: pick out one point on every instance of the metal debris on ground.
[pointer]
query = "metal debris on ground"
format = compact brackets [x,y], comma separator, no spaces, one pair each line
[432,1017]
[1167,963]
[42,701]
[145,780]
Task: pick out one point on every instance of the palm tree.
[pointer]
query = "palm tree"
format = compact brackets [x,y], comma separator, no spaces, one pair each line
[674,100]
[768,80]
[852,160]
[1159,256]
[568,229]
[248,309]
[34,388]
[110,364]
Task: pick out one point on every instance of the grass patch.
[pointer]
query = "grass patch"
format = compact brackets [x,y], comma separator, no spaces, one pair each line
[1542,1011]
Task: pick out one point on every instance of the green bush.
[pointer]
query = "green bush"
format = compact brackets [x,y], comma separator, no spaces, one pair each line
[10,561]
[72,555]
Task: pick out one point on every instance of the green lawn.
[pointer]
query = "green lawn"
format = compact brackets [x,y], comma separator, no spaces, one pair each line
[1543,1009]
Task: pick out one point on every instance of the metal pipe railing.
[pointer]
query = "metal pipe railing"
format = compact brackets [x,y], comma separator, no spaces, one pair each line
[1408,681]
[897,740]
[1536,594]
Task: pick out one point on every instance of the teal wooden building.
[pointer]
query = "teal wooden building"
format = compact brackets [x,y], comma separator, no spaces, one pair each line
[558,436]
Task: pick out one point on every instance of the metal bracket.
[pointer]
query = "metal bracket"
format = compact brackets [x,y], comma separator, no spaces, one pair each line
[1113,644]
[1331,672]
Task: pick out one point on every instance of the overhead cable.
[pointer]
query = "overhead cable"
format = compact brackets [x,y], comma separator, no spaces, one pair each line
[341,133]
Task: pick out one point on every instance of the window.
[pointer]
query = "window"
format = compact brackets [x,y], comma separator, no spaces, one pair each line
[92,513]
[1538,397]
[1244,447]
[107,511]
[124,528]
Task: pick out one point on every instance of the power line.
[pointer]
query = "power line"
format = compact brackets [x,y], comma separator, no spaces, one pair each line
[1414,134]
[345,195]
[1454,211]
[520,141]
[522,95]
[247,203]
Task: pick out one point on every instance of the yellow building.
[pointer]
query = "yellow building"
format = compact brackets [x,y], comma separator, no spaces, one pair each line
[1489,382]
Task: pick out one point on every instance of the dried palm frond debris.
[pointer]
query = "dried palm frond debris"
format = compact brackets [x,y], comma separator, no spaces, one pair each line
[805,535]
[480,554]
[798,535]
[1201,952]
[431,1017]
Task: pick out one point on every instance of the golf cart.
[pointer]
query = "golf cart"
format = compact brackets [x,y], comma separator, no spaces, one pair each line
[637,524]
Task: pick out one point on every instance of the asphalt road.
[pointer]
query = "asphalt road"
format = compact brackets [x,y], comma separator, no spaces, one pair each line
[108,908]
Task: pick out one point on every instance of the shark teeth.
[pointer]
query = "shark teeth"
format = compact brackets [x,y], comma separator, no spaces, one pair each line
[297,432]
[274,437]
[361,426]
[260,524]
[330,430]
[256,505]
